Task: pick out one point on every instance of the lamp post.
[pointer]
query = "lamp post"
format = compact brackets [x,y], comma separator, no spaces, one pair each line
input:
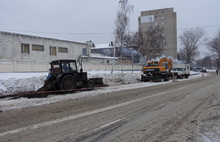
[113,56]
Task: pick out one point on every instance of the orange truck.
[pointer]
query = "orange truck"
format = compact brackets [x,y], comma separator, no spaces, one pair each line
[157,70]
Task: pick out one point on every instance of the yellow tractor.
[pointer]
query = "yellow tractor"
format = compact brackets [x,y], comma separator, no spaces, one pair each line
[157,70]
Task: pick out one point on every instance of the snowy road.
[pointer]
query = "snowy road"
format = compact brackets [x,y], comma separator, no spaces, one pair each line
[175,111]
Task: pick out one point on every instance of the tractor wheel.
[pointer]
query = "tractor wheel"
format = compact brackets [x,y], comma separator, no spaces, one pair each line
[67,82]
[90,85]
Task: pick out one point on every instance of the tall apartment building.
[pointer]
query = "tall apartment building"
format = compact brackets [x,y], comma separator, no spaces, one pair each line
[165,18]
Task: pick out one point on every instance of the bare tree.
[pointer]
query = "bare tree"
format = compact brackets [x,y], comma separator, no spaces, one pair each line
[121,25]
[122,22]
[205,62]
[214,46]
[191,40]
[132,39]
[181,55]
[151,42]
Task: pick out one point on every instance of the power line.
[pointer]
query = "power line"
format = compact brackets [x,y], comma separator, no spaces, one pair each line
[213,26]
[96,33]
[199,9]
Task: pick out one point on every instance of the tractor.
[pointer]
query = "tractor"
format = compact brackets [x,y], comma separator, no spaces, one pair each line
[64,76]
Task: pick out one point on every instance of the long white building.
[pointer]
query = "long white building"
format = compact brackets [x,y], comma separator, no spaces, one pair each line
[22,47]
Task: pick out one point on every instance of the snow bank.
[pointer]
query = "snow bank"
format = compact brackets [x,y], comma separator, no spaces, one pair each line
[118,78]
[16,82]
[24,82]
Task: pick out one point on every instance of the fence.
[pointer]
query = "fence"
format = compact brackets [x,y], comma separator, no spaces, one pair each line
[34,66]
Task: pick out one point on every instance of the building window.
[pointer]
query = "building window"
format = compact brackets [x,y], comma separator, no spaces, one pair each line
[151,24]
[63,49]
[53,50]
[25,48]
[37,47]
[85,51]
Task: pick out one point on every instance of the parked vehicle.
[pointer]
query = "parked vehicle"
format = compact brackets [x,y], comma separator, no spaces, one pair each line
[181,70]
[157,70]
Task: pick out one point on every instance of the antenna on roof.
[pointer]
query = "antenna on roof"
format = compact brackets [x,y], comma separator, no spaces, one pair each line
[111,44]
[93,45]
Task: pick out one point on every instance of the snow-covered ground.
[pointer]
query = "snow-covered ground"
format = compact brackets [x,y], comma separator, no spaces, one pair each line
[22,82]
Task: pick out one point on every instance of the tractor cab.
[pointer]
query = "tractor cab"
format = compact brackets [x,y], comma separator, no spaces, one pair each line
[63,66]
[152,63]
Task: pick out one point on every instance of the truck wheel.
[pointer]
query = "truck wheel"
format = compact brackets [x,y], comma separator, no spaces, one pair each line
[158,78]
[67,82]
[144,79]
[167,79]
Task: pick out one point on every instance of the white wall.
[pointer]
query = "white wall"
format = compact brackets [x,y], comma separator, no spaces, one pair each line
[10,46]
[32,66]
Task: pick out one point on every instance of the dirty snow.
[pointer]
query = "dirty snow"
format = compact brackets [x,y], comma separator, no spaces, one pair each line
[11,83]
[20,82]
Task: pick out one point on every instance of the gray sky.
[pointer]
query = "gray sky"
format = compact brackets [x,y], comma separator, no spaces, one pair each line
[82,20]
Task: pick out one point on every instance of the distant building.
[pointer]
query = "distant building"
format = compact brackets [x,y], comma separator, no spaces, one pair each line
[120,52]
[103,49]
[22,47]
[166,19]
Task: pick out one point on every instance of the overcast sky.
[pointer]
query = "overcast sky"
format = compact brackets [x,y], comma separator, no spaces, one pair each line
[83,20]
